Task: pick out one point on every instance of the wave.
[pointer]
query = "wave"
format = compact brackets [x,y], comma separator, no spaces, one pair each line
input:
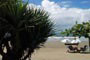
[56,38]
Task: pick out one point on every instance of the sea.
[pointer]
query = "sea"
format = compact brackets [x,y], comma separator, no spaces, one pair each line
[59,38]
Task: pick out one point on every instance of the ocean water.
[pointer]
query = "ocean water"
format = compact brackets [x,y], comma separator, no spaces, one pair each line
[57,38]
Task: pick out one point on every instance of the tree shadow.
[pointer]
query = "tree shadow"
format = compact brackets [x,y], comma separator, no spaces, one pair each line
[84,52]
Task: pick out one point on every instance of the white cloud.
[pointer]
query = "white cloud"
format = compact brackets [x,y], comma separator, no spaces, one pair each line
[85,2]
[63,16]
[31,5]
[65,3]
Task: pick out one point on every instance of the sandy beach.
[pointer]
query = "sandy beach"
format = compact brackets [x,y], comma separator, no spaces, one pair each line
[55,50]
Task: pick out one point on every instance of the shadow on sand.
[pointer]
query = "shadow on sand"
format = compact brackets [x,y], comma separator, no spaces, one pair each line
[85,53]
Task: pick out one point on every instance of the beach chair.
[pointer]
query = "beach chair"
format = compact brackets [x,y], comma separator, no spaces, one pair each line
[73,49]
[70,49]
[83,49]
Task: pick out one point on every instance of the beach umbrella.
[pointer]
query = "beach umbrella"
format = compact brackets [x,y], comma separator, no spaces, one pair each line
[65,41]
[76,41]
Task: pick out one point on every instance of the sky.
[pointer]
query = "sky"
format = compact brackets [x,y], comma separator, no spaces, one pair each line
[71,3]
[64,13]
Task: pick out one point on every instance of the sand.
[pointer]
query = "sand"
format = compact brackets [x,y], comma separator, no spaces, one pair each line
[55,50]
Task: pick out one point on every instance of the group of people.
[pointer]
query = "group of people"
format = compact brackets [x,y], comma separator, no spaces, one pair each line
[76,49]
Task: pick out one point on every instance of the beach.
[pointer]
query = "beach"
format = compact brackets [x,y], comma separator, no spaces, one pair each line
[55,50]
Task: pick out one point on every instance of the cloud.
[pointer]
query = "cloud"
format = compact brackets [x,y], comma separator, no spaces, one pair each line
[63,16]
[66,3]
[85,2]
[31,5]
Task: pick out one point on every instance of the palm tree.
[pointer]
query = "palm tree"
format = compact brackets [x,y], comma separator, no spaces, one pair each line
[22,30]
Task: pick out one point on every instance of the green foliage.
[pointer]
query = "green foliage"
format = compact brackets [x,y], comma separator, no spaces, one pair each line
[66,32]
[28,29]
[79,30]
